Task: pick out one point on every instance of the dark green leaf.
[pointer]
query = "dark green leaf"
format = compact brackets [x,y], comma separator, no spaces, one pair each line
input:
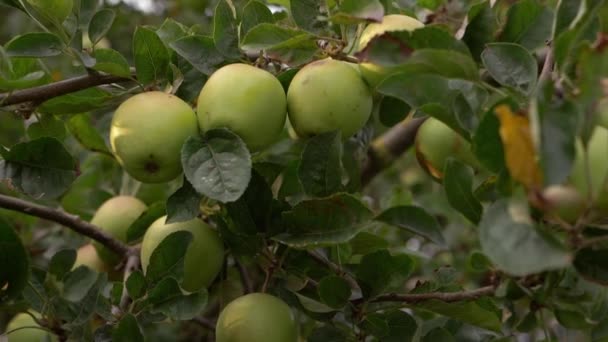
[392,111]
[168,299]
[356,11]
[150,56]
[320,170]
[14,262]
[171,31]
[127,330]
[138,228]
[380,270]
[225,30]
[100,24]
[438,335]
[509,238]
[528,23]
[458,184]
[198,51]
[254,13]
[184,204]
[328,333]
[306,13]
[168,258]
[87,135]
[136,285]
[487,145]
[78,283]
[47,126]
[473,312]
[62,262]
[566,13]
[480,29]
[592,264]
[308,222]
[217,165]
[38,44]
[401,326]
[334,291]
[40,168]
[265,36]
[77,102]
[415,220]
[251,213]
[511,65]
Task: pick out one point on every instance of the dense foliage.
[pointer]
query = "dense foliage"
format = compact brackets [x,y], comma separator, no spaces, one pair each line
[304,170]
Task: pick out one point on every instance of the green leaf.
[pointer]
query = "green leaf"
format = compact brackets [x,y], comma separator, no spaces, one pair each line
[254,13]
[81,311]
[486,143]
[38,44]
[509,238]
[565,14]
[334,291]
[199,51]
[168,258]
[365,243]
[171,31]
[415,220]
[380,270]
[375,325]
[528,23]
[168,299]
[111,62]
[14,263]
[78,283]
[127,330]
[62,262]
[47,126]
[225,30]
[391,326]
[481,28]
[87,135]
[306,14]
[265,36]
[30,80]
[458,184]
[77,102]
[184,204]
[329,333]
[320,169]
[251,213]
[392,111]
[471,312]
[138,228]
[136,285]
[100,24]
[438,335]
[40,168]
[558,121]
[511,65]
[591,264]
[217,165]
[150,56]
[356,11]
[327,221]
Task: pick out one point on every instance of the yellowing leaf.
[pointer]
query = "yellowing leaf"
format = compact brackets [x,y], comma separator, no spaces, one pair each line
[520,155]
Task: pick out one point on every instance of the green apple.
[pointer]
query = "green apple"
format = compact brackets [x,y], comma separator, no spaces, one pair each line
[87,256]
[114,217]
[373,74]
[57,9]
[256,317]
[564,202]
[147,134]
[436,142]
[204,257]
[594,187]
[328,95]
[33,334]
[247,100]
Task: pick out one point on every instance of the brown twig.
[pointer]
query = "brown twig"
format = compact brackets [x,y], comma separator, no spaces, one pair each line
[335,268]
[545,73]
[73,222]
[48,91]
[447,297]
[132,264]
[205,323]
[388,147]
[245,278]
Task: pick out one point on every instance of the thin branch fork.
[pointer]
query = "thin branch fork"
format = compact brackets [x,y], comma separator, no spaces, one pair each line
[46,92]
[73,222]
[447,297]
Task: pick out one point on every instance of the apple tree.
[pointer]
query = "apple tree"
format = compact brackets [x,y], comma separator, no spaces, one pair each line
[304,170]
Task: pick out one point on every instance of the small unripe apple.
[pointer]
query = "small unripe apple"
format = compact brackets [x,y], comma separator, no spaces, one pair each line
[256,317]
[328,95]
[564,202]
[114,217]
[597,188]
[57,9]
[436,142]
[204,257]
[374,74]
[147,134]
[247,100]
[33,334]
